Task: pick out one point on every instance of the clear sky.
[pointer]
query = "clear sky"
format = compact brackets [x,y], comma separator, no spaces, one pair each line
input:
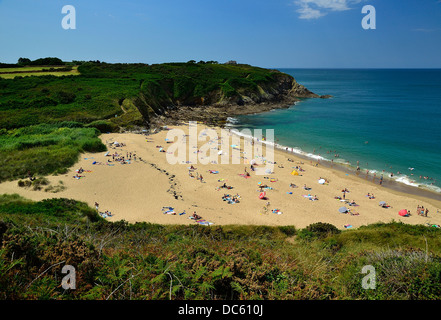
[271,33]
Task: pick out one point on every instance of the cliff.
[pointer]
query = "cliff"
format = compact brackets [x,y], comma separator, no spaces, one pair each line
[213,92]
[114,96]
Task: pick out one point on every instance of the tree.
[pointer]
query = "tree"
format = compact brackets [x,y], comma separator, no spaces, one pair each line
[24,61]
[47,62]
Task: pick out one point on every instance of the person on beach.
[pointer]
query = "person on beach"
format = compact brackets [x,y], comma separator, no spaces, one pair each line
[32,178]
[197,217]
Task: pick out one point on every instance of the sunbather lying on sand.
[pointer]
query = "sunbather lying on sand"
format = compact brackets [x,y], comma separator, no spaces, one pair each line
[195,216]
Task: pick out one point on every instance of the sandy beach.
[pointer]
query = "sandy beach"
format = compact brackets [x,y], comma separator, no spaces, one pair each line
[143,188]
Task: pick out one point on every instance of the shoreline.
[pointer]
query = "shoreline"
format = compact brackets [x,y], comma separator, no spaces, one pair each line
[140,190]
[388,182]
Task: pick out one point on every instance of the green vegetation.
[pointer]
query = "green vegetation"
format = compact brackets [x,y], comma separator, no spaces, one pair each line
[45,149]
[101,91]
[148,261]
[49,61]
[47,120]
[11,73]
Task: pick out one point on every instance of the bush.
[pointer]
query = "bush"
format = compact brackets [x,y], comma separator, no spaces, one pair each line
[45,148]
[320,230]
[288,230]
[65,97]
[24,183]
[103,126]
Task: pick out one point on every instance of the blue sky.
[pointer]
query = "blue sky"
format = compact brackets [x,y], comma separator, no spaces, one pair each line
[277,33]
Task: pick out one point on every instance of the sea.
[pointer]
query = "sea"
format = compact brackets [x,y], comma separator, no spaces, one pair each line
[384,121]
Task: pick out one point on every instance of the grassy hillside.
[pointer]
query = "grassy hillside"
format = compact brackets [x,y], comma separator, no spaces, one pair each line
[101,90]
[149,261]
[47,120]
[45,148]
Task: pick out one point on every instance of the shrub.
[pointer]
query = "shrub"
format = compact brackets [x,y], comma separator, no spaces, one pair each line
[318,230]
[103,126]
[322,229]
[24,183]
[288,230]
[65,97]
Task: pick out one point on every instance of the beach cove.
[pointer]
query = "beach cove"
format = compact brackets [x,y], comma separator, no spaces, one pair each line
[148,188]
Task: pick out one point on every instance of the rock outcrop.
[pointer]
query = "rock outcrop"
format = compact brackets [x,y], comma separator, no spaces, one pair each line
[159,105]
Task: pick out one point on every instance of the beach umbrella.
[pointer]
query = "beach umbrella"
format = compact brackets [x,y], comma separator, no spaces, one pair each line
[383,202]
[402,212]
[343,209]
[262,195]
[294,173]
[321,181]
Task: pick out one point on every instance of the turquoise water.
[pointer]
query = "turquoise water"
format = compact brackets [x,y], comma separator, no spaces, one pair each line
[386,119]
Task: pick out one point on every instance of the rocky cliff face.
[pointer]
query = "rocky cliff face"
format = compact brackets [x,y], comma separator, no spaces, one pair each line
[159,104]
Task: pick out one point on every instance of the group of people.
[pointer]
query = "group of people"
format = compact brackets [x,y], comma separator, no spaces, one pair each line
[123,160]
[421,211]
[104,214]
[231,199]
[198,176]
[77,174]
[310,197]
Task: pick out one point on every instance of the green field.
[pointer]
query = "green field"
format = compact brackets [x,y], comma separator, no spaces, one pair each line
[11,73]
